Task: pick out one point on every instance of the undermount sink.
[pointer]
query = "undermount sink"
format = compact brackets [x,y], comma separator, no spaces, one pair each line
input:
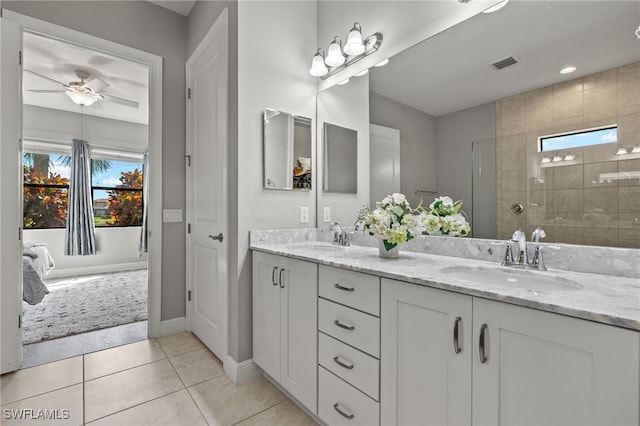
[319,246]
[516,278]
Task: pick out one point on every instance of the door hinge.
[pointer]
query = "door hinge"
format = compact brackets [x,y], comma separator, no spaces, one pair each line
[188,228]
[189,295]
[188,93]
[19,321]
[188,157]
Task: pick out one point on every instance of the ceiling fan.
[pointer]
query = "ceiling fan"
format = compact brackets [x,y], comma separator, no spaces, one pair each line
[83,92]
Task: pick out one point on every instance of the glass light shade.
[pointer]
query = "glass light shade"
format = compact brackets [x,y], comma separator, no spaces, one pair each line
[496,7]
[361,73]
[354,44]
[343,82]
[568,70]
[382,63]
[318,68]
[620,151]
[546,160]
[635,149]
[81,98]
[570,157]
[334,54]
[557,158]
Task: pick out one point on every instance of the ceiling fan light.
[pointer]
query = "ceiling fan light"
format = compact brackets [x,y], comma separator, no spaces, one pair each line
[354,45]
[335,56]
[81,98]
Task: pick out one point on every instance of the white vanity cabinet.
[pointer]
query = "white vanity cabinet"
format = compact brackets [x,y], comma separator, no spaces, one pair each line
[285,300]
[349,347]
[515,365]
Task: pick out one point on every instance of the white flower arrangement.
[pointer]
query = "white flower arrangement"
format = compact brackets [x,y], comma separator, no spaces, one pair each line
[444,217]
[393,220]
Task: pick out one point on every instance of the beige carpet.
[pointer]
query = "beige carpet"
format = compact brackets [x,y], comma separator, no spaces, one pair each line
[79,304]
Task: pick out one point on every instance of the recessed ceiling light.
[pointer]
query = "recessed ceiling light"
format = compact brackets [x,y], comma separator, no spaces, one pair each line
[363,72]
[496,7]
[567,70]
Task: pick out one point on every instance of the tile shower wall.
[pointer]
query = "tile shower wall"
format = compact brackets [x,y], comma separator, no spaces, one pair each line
[592,200]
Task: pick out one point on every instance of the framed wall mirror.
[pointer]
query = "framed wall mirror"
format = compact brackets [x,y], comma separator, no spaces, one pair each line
[340,159]
[287,151]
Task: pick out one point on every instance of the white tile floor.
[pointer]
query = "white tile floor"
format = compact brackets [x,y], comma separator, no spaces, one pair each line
[173,380]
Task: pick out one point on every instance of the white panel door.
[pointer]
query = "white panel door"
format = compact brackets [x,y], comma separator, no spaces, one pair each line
[425,359]
[385,162]
[546,369]
[207,239]
[11,198]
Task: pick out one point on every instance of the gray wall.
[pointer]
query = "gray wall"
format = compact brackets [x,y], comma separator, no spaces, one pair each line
[455,132]
[418,146]
[144,26]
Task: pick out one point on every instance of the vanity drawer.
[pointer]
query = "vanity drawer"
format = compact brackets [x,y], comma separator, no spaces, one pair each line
[339,403]
[357,368]
[350,326]
[355,289]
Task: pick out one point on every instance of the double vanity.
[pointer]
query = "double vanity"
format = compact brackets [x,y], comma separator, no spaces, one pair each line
[432,339]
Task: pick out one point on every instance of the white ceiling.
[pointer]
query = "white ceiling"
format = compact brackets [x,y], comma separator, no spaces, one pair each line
[451,71]
[57,60]
[183,7]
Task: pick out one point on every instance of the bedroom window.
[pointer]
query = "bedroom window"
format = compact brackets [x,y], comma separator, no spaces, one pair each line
[116,191]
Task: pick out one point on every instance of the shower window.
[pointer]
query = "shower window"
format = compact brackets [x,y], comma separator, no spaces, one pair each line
[586,137]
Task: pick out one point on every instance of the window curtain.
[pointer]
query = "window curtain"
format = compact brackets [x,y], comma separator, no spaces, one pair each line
[142,247]
[80,232]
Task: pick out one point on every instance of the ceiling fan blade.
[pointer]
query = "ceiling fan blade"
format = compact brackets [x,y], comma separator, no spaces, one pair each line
[96,85]
[121,101]
[45,91]
[47,78]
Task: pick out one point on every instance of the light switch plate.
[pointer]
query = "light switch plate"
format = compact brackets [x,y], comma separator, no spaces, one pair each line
[327,214]
[172,215]
[304,214]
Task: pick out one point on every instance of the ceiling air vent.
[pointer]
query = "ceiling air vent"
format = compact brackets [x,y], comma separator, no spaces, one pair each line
[505,62]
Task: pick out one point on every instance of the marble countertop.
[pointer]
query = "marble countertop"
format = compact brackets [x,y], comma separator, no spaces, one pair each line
[603,298]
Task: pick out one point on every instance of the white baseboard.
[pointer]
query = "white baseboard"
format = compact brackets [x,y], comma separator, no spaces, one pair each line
[241,373]
[173,326]
[98,269]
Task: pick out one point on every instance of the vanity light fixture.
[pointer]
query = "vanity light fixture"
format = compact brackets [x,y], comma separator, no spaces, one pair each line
[635,149]
[568,70]
[337,58]
[570,157]
[557,158]
[354,44]
[496,7]
[546,160]
[621,151]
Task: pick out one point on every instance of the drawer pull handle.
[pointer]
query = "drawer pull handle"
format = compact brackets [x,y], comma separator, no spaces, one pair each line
[346,327]
[456,331]
[342,364]
[280,278]
[343,288]
[336,407]
[273,275]
[481,351]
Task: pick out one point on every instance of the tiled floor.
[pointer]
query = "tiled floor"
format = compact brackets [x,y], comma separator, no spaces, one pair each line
[173,380]
[80,344]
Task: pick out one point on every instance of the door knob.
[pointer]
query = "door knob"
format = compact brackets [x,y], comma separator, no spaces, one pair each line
[218,237]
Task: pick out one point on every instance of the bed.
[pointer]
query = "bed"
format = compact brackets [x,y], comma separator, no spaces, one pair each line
[36,263]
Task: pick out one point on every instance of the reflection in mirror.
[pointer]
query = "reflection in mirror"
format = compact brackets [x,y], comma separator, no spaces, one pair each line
[340,159]
[445,93]
[287,151]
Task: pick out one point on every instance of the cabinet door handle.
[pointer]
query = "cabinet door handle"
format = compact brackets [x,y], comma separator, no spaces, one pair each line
[481,352]
[336,407]
[273,275]
[456,332]
[280,280]
[346,327]
[342,364]
[343,288]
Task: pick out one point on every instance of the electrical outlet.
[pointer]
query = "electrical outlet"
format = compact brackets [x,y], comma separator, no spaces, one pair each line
[304,214]
[327,214]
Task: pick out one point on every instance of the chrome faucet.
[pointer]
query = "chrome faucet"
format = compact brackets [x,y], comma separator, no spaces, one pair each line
[522,258]
[340,236]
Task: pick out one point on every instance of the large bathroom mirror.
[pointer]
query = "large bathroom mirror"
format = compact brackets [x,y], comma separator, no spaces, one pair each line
[340,159]
[287,151]
[472,101]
